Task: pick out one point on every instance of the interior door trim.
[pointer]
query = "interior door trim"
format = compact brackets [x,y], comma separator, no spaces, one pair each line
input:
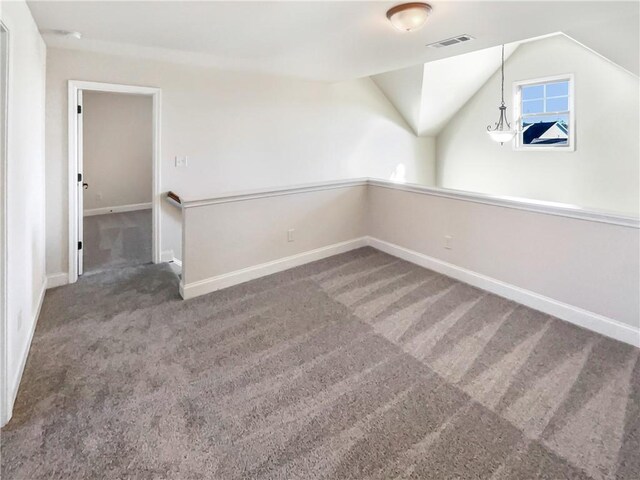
[73,118]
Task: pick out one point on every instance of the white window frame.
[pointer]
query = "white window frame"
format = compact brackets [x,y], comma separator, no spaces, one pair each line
[517,113]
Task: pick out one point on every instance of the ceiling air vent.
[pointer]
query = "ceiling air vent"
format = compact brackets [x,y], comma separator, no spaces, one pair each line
[451,41]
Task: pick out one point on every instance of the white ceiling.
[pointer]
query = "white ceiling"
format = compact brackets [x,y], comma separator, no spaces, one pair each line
[429,95]
[328,40]
[449,83]
[403,88]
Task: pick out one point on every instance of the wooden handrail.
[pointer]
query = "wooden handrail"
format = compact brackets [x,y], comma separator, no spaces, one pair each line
[174,197]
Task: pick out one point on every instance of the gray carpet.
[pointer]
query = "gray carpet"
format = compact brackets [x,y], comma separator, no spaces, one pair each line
[114,240]
[357,366]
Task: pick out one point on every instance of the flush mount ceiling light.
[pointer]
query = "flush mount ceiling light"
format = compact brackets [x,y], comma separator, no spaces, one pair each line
[409,16]
[502,132]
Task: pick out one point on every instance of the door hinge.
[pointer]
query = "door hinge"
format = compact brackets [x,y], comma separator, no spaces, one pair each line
[79,177]
[79,245]
[79,109]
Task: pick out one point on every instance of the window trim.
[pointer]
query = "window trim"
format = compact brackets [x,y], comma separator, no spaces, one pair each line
[517,113]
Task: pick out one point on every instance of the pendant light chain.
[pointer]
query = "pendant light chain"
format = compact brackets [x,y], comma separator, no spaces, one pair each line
[501,132]
[502,68]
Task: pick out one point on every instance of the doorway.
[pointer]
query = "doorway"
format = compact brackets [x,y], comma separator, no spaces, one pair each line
[117,179]
[114,211]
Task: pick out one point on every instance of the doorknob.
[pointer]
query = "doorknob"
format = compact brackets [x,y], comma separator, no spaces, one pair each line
[85,185]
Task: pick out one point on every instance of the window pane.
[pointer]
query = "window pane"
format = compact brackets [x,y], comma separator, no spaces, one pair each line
[532,92]
[533,106]
[547,130]
[557,89]
[558,104]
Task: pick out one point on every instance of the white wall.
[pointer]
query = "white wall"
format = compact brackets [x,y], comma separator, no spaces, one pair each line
[26,186]
[568,260]
[118,149]
[240,131]
[602,173]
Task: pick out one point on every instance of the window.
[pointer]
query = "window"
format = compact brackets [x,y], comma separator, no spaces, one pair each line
[544,114]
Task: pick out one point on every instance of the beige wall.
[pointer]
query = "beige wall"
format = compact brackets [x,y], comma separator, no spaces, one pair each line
[561,265]
[590,265]
[602,173]
[227,237]
[241,131]
[117,149]
[26,186]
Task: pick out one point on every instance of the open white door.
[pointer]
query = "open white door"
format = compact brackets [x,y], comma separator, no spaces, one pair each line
[80,188]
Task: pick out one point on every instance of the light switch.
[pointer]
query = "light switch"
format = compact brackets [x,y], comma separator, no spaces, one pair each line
[182,161]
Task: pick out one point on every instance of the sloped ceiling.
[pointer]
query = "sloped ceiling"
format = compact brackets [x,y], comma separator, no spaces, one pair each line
[617,40]
[403,88]
[449,83]
[429,95]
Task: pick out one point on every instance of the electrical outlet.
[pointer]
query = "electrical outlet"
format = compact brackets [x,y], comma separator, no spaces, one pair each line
[20,320]
[290,235]
[182,161]
[448,242]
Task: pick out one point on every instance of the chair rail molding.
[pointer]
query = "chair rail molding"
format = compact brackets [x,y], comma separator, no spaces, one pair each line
[542,207]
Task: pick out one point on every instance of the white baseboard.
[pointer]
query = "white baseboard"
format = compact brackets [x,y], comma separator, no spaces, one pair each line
[166,256]
[212,284]
[118,209]
[14,385]
[578,316]
[57,280]
[572,314]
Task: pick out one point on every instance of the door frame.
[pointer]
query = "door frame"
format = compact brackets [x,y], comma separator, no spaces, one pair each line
[6,398]
[75,215]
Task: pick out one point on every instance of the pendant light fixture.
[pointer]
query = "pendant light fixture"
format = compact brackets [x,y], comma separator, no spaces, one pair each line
[409,16]
[502,132]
